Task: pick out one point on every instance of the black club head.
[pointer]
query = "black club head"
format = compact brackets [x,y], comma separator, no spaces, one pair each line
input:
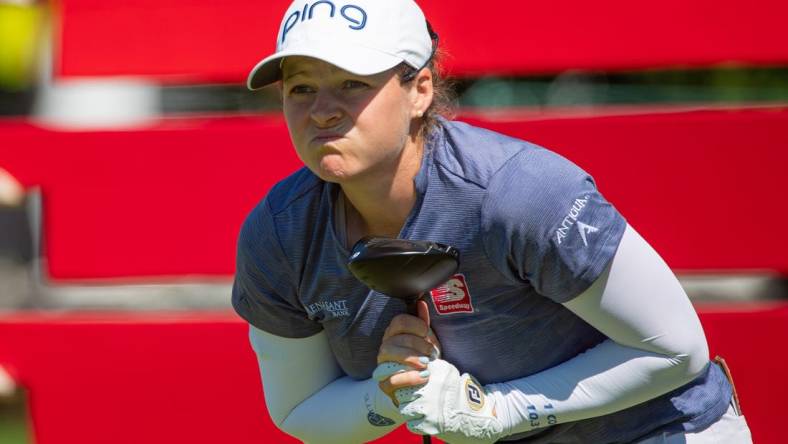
[402,268]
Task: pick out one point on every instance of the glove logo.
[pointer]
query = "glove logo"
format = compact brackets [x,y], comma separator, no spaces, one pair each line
[452,297]
[474,394]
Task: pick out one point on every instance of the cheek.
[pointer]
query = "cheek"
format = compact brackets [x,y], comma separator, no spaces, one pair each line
[389,121]
[294,118]
[292,115]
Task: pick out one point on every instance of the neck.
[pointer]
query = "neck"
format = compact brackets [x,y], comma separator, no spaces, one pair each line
[380,203]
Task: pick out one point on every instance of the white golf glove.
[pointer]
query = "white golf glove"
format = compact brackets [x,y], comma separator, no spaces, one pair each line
[453,407]
[386,369]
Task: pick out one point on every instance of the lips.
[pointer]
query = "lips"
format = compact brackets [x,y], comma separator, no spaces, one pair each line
[323,138]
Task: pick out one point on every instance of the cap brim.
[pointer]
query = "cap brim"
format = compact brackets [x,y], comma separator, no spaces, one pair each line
[356,59]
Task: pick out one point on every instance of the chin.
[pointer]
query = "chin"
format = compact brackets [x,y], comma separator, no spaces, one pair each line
[331,171]
[328,174]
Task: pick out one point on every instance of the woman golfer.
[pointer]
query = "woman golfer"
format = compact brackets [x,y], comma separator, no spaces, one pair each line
[562,324]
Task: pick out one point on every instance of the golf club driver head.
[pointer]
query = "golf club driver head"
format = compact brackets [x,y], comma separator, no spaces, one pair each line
[402,268]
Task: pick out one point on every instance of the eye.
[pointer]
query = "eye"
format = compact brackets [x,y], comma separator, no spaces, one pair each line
[300,90]
[354,84]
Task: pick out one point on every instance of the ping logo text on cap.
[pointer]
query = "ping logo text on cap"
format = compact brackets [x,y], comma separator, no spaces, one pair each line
[354,15]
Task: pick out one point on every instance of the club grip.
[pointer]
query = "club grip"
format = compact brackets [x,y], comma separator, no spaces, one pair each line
[413,308]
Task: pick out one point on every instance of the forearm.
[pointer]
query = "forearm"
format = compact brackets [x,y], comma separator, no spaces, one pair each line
[309,398]
[605,379]
[656,345]
[345,411]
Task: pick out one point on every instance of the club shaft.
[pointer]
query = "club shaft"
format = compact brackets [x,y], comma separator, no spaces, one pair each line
[413,310]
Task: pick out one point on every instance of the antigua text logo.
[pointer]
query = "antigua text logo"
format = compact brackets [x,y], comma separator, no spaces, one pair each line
[570,219]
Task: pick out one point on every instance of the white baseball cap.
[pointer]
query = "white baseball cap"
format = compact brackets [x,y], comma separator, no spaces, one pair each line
[360,36]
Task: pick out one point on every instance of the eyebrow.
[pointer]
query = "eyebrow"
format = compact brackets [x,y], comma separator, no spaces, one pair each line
[306,70]
[293,75]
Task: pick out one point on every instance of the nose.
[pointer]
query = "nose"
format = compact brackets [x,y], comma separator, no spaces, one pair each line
[326,108]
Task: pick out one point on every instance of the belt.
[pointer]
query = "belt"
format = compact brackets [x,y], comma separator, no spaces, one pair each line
[735,398]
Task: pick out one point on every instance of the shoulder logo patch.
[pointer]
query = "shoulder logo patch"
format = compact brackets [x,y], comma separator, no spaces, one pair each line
[563,231]
[452,297]
[585,229]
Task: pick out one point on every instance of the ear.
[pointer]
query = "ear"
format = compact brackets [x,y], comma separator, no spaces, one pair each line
[422,92]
